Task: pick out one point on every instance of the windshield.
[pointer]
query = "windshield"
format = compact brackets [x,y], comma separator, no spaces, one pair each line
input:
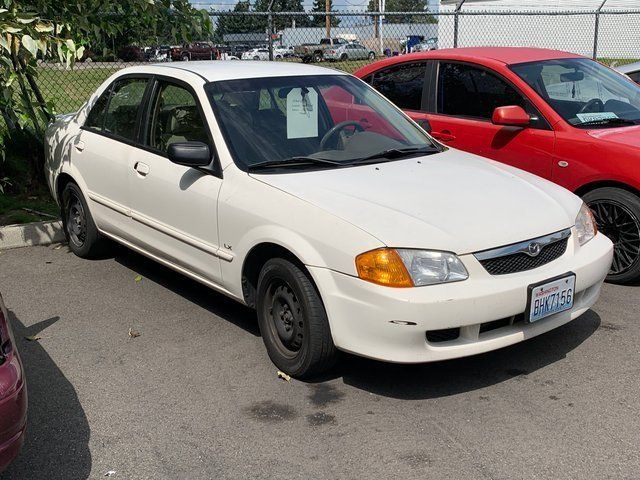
[584,92]
[326,120]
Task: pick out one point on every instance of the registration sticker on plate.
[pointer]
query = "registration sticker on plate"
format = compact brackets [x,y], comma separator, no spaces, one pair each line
[552,296]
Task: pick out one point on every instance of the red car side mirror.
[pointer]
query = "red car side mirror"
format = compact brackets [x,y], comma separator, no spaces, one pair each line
[512,115]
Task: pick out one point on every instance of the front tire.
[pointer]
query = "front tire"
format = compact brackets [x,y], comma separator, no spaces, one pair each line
[372,56]
[293,321]
[617,213]
[80,229]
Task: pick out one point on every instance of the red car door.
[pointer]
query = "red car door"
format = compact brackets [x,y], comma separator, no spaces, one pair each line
[462,101]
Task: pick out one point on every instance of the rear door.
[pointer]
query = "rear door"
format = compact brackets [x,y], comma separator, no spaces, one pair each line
[460,104]
[103,151]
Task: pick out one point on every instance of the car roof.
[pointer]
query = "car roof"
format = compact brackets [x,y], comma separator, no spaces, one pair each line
[506,55]
[215,70]
[629,67]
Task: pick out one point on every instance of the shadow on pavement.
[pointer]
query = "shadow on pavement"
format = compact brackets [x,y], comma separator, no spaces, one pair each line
[422,381]
[57,439]
[203,296]
[441,379]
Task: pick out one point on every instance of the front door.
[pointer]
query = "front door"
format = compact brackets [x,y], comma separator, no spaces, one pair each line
[174,208]
[465,98]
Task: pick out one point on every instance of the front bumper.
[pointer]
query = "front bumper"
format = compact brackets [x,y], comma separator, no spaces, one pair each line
[361,313]
[13,409]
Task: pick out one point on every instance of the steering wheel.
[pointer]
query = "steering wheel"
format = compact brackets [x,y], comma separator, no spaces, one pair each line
[587,107]
[338,128]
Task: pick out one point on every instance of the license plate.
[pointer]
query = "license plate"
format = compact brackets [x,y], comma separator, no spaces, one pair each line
[551,296]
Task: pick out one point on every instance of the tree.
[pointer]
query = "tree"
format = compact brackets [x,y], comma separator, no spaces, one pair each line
[281,22]
[319,6]
[62,30]
[238,23]
[404,6]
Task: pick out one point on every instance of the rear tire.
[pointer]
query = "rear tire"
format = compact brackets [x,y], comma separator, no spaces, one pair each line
[372,56]
[343,57]
[293,321]
[617,214]
[317,58]
[80,229]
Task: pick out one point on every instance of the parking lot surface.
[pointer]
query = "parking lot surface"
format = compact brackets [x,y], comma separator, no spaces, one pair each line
[195,395]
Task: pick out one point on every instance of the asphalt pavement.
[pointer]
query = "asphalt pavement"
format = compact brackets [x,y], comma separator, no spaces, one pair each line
[194,396]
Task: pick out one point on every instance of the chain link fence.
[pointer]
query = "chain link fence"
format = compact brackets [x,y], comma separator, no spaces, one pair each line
[358,38]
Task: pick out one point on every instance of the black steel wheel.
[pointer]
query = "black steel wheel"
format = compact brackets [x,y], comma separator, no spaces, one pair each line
[617,214]
[81,231]
[292,320]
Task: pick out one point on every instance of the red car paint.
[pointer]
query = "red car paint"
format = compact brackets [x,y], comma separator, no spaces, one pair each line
[13,394]
[578,159]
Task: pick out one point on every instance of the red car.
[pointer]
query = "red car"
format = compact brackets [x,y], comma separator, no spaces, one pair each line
[13,394]
[561,116]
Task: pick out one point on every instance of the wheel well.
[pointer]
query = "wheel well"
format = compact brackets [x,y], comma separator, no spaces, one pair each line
[63,180]
[253,263]
[605,183]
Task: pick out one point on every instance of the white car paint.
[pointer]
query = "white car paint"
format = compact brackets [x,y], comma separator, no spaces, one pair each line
[204,226]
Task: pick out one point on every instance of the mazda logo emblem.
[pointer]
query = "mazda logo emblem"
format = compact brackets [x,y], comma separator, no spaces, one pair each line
[534,249]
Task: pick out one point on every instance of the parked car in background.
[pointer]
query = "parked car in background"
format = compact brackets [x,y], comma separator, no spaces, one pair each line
[312,52]
[427,45]
[13,394]
[301,192]
[350,51]
[256,54]
[159,54]
[283,52]
[131,53]
[631,70]
[561,116]
[194,51]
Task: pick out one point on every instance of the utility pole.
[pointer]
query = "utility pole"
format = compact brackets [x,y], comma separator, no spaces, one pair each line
[327,17]
[381,7]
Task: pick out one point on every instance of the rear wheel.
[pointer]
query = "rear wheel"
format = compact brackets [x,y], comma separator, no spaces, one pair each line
[617,213]
[186,58]
[317,57]
[81,231]
[293,321]
[343,57]
[372,55]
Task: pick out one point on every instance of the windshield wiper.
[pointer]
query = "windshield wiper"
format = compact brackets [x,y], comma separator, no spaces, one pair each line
[608,121]
[293,162]
[394,153]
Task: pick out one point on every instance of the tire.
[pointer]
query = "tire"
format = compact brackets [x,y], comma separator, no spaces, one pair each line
[617,213]
[343,57]
[81,231]
[317,58]
[372,56]
[186,58]
[256,58]
[293,321]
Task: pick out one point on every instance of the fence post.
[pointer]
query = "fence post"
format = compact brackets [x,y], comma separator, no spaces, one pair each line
[596,28]
[270,30]
[456,13]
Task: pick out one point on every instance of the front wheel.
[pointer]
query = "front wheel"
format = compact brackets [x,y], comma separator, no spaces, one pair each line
[81,231]
[617,213]
[293,321]
[372,56]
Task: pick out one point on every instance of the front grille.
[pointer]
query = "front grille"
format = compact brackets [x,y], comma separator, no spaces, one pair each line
[520,262]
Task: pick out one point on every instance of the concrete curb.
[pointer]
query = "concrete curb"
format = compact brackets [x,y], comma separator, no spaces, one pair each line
[30,234]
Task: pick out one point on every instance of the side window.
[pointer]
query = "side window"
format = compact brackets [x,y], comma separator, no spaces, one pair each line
[467,91]
[124,104]
[95,119]
[402,84]
[175,117]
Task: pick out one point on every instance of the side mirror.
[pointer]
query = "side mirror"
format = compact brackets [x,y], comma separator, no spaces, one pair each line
[511,116]
[424,124]
[190,154]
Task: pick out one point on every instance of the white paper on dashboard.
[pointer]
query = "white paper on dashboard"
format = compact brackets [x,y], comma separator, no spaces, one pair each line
[595,116]
[302,113]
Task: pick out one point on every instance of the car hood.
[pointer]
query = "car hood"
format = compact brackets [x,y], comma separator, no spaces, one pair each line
[450,201]
[625,135]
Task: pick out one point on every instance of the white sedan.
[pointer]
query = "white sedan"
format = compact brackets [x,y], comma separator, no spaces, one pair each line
[303,193]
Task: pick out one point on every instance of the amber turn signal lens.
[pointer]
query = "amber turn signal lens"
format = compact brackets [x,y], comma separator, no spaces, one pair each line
[384,267]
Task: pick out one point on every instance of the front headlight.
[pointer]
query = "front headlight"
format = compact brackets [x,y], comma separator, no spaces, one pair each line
[585,225]
[404,267]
